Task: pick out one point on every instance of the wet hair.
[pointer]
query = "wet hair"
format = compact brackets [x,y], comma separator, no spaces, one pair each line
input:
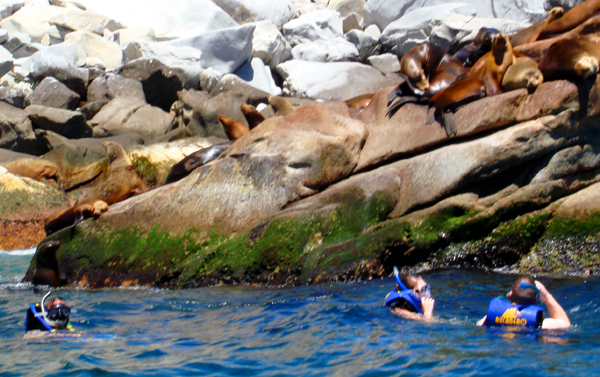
[523,296]
[410,281]
[56,301]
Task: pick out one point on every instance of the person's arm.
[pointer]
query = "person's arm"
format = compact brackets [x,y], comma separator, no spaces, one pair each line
[558,317]
[427,304]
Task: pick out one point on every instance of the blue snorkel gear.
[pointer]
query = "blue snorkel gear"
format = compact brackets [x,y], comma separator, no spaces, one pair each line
[405,294]
[532,286]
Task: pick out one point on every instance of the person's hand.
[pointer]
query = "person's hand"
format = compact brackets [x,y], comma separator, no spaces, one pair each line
[427,304]
[543,291]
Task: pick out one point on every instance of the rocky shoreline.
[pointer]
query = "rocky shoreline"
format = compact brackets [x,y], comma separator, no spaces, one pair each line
[332,191]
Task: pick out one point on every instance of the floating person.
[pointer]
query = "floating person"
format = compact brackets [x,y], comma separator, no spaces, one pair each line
[520,308]
[411,299]
[48,318]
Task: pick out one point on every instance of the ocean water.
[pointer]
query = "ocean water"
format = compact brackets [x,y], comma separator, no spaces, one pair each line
[329,330]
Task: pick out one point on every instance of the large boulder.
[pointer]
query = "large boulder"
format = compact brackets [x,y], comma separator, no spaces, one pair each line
[52,93]
[97,47]
[16,131]
[34,21]
[68,123]
[328,81]
[269,44]
[322,24]
[75,19]
[259,76]
[112,85]
[184,57]
[244,11]
[326,50]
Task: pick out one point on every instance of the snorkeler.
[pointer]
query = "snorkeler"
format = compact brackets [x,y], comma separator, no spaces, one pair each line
[520,308]
[412,297]
[48,317]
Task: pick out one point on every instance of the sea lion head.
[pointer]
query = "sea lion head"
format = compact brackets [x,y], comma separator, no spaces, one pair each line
[586,66]
[100,207]
[411,65]
[555,14]
[116,154]
[500,45]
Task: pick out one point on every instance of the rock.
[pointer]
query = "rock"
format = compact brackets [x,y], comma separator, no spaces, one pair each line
[160,82]
[13,96]
[68,123]
[16,41]
[183,57]
[75,19]
[244,11]
[32,167]
[125,115]
[414,28]
[326,50]
[581,205]
[365,43]
[3,36]
[129,35]
[208,79]
[259,76]
[225,50]
[329,81]
[48,63]
[321,24]
[33,20]
[6,61]
[52,93]
[352,21]
[97,47]
[170,20]
[17,132]
[385,63]
[110,86]
[347,7]
[270,45]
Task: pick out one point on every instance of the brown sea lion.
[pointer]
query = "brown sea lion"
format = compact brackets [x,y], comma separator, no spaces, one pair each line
[484,80]
[233,129]
[184,167]
[571,19]
[35,168]
[281,106]
[122,182]
[74,215]
[531,33]
[253,116]
[575,59]
[46,266]
[523,74]
[481,45]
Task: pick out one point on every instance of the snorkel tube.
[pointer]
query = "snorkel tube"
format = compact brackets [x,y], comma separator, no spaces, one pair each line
[58,323]
[405,293]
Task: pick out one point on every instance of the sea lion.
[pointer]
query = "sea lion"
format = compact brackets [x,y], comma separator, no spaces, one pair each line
[484,80]
[253,116]
[123,180]
[574,59]
[531,33]
[523,74]
[358,103]
[233,129]
[184,167]
[74,215]
[46,266]
[481,45]
[571,19]
[281,106]
[35,168]
[428,69]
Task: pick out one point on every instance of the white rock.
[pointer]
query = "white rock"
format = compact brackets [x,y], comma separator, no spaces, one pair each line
[385,63]
[365,44]
[209,78]
[306,6]
[169,19]
[33,20]
[330,81]
[128,35]
[346,7]
[14,4]
[373,31]
[16,41]
[326,50]
[5,11]
[96,46]
[94,62]
[6,61]
[465,28]
[270,45]
[243,11]
[184,57]
[67,4]
[321,24]
[352,21]
[259,76]
[76,19]
[28,50]
[415,27]
[225,50]
[3,36]
[3,170]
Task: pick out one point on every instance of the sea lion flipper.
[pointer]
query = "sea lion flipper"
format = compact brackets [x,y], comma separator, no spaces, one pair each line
[399,103]
[431,115]
[450,124]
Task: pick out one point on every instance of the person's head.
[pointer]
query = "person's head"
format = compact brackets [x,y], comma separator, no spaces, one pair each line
[57,313]
[523,296]
[417,284]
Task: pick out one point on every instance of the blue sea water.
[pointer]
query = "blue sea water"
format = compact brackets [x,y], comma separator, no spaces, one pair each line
[328,330]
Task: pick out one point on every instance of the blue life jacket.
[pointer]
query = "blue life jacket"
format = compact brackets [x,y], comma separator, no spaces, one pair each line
[504,313]
[395,297]
[36,323]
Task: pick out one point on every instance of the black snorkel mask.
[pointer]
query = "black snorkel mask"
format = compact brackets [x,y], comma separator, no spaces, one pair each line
[57,316]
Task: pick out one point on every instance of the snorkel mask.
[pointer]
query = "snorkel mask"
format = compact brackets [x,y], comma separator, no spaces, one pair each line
[410,297]
[58,315]
[531,286]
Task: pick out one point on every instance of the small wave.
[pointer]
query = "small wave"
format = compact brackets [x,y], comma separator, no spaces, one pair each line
[19,252]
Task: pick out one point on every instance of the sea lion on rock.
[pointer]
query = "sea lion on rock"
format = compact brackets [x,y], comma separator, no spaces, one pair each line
[428,70]
[571,19]
[523,74]
[531,33]
[233,129]
[253,116]
[35,168]
[281,106]
[74,215]
[46,266]
[122,182]
[483,80]
[184,167]
[481,45]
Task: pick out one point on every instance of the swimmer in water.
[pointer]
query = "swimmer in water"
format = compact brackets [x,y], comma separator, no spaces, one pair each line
[411,299]
[53,318]
[519,308]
